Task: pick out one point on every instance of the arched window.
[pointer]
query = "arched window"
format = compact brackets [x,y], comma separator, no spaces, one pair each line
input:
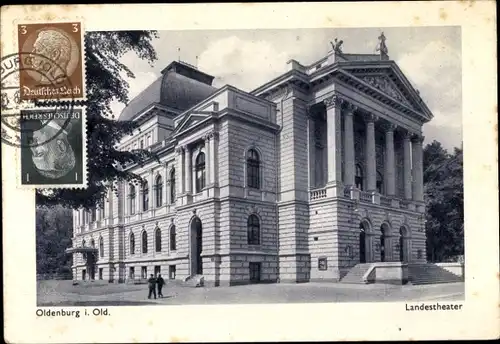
[144,242]
[380,183]
[83,243]
[145,196]
[253,229]
[159,191]
[158,240]
[172,186]
[358,178]
[92,243]
[253,169]
[101,247]
[132,243]
[200,172]
[131,196]
[173,245]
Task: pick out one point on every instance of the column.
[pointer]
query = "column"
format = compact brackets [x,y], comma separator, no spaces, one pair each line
[179,172]
[166,185]
[371,164]
[311,145]
[187,170]
[208,160]
[390,166]
[213,162]
[350,168]
[152,198]
[126,203]
[138,198]
[334,139]
[407,165]
[417,168]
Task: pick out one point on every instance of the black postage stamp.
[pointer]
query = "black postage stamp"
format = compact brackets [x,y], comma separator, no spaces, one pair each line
[53,148]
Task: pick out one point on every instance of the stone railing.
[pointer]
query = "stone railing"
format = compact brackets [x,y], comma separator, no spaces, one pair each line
[365,196]
[347,192]
[403,204]
[317,194]
[385,201]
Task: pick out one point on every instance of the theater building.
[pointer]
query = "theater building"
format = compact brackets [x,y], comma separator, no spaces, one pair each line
[306,177]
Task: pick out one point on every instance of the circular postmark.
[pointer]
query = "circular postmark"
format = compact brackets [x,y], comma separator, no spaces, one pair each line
[14,109]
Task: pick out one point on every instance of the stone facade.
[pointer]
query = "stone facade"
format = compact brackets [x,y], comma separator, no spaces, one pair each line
[300,180]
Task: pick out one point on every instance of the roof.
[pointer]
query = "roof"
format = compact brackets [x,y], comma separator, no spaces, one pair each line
[180,87]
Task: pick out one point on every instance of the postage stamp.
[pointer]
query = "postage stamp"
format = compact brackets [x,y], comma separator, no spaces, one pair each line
[52,63]
[53,148]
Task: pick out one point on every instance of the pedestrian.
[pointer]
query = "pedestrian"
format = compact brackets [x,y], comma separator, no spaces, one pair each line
[152,286]
[160,282]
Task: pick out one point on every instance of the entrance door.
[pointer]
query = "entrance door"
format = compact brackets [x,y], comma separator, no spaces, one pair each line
[199,262]
[254,272]
[362,246]
[196,247]
[157,270]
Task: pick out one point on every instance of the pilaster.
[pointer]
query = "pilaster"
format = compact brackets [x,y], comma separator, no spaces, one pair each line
[187,170]
[334,145]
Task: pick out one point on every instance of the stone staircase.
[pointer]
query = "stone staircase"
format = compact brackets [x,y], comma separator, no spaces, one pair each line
[194,281]
[355,275]
[430,274]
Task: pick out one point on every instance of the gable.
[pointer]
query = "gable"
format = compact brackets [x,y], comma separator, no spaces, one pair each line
[191,120]
[391,82]
[383,83]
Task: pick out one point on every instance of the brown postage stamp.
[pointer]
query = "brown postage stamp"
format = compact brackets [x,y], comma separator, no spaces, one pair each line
[51,59]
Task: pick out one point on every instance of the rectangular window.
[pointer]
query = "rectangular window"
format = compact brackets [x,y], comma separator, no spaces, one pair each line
[149,140]
[131,273]
[144,272]
[142,144]
[171,271]
[254,272]
[100,273]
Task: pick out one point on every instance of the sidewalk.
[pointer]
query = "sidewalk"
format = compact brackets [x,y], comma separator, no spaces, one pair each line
[62,294]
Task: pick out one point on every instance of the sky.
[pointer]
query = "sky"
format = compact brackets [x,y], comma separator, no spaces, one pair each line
[430,57]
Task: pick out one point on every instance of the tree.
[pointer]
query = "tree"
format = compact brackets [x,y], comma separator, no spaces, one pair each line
[444,197]
[105,84]
[53,237]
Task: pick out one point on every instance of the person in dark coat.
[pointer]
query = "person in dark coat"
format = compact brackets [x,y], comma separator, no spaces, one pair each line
[160,282]
[152,286]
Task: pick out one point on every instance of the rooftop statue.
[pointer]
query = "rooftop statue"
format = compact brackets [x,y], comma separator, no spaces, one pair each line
[382,48]
[337,45]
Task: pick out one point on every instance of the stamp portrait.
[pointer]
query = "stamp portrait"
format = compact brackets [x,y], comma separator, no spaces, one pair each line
[52,61]
[52,147]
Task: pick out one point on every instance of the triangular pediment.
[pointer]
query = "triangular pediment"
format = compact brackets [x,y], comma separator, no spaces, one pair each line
[191,120]
[392,83]
[383,83]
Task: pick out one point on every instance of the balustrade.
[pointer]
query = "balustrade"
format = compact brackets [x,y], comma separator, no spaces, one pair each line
[385,201]
[365,196]
[317,194]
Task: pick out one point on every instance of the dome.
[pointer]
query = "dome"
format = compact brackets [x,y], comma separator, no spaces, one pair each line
[180,87]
